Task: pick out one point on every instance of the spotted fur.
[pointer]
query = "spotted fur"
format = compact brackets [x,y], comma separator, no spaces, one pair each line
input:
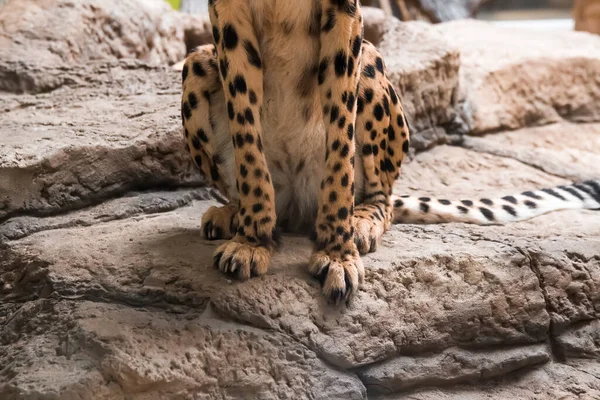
[498,211]
[291,116]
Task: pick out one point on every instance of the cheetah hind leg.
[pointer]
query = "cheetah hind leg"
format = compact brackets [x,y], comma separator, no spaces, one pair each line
[382,141]
[203,96]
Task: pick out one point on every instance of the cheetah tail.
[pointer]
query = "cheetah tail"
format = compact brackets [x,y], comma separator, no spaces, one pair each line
[424,210]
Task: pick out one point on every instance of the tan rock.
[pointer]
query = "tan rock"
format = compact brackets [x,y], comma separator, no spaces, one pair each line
[495,292]
[39,39]
[511,78]
[568,150]
[71,148]
[552,381]
[587,15]
[449,367]
[424,67]
[110,351]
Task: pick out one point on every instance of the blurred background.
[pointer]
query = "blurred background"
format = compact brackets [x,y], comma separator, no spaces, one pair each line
[543,14]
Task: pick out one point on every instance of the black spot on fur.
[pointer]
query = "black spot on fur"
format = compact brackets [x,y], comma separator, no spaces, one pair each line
[240,84]
[252,53]
[445,202]
[252,97]
[198,161]
[487,213]
[198,69]
[531,195]
[249,116]
[369,71]
[379,64]
[487,202]
[425,199]
[510,199]
[554,193]
[184,73]
[405,146]
[572,191]
[330,23]
[368,95]
[467,203]
[322,71]
[367,150]
[343,213]
[224,68]
[344,180]
[510,210]
[202,135]
[193,100]
[356,45]
[216,35]
[530,204]
[462,210]
[340,63]
[230,110]
[230,37]
[424,207]
[378,112]
[187,112]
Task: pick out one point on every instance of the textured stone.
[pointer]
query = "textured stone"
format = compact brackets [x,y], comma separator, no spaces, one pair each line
[568,150]
[449,367]
[428,291]
[581,340]
[511,78]
[425,68]
[42,39]
[107,351]
[441,10]
[74,147]
[552,381]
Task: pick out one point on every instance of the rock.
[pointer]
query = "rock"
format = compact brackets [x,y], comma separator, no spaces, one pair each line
[488,296]
[425,68]
[119,130]
[449,367]
[511,78]
[42,39]
[117,126]
[552,381]
[587,15]
[94,350]
[580,341]
[440,10]
[568,150]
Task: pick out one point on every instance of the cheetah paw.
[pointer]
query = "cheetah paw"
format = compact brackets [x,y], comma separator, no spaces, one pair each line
[218,223]
[242,261]
[366,234]
[339,279]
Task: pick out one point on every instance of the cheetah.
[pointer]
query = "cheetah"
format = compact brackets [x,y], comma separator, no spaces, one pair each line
[291,116]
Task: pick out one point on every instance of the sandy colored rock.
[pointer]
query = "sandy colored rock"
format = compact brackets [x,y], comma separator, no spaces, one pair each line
[449,367]
[74,147]
[581,341]
[568,150]
[511,78]
[552,381]
[439,10]
[424,66]
[39,39]
[109,351]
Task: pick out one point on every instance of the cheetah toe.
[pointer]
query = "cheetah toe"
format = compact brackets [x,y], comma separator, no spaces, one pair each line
[366,234]
[242,261]
[340,277]
[218,223]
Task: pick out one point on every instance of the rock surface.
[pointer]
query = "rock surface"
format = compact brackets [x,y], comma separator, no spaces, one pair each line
[107,290]
[511,78]
[41,40]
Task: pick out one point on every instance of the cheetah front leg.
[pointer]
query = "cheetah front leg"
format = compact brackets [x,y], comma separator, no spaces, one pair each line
[336,261]
[248,253]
